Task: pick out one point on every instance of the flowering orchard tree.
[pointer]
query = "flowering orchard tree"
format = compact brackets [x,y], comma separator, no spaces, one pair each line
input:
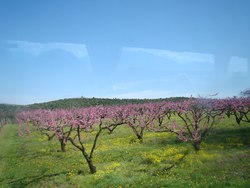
[238,107]
[83,121]
[55,123]
[49,123]
[190,120]
[42,121]
[196,118]
[93,119]
[23,119]
[70,125]
[139,117]
[116,115]
[161,114]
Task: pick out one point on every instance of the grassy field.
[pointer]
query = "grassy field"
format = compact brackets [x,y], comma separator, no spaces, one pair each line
[121,161]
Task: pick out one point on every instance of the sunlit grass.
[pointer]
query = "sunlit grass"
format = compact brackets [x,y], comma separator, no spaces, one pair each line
[122,161]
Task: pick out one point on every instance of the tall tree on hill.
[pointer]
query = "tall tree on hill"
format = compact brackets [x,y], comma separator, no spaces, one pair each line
[245,93]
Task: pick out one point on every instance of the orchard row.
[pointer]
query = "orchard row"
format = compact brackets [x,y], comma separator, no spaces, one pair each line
[190,120]
[3,120]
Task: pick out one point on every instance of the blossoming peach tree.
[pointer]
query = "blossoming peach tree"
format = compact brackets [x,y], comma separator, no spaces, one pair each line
[47,122]
[70,125]
[197,117]
[191,120]
[237,107]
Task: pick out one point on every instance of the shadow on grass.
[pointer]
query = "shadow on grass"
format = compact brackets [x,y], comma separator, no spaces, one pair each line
[169,168]
[25,181]
[162,142]
[233,130]
[230,137]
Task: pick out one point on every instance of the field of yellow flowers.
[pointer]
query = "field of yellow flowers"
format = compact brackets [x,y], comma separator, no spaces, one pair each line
[121,161]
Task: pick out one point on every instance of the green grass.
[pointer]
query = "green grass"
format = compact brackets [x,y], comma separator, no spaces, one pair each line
[121,161]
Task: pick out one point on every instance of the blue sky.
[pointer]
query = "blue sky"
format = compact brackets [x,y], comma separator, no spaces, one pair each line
[123,49]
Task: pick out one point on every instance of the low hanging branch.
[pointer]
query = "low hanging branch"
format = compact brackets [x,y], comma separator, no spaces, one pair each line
[47,133]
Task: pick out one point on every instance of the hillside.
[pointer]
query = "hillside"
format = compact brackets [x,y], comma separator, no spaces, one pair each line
[85,102]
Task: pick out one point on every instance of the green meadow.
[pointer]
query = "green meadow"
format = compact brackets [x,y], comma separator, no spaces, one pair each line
[122,161]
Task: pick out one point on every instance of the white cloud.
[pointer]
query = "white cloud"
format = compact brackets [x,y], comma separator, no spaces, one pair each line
[34,48]
[237,64]
[179,57]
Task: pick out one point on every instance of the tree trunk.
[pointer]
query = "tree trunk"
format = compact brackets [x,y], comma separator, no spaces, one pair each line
[92,168]
[138,134]
[63,145]
[110,131]
[140,137]
[196,145]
